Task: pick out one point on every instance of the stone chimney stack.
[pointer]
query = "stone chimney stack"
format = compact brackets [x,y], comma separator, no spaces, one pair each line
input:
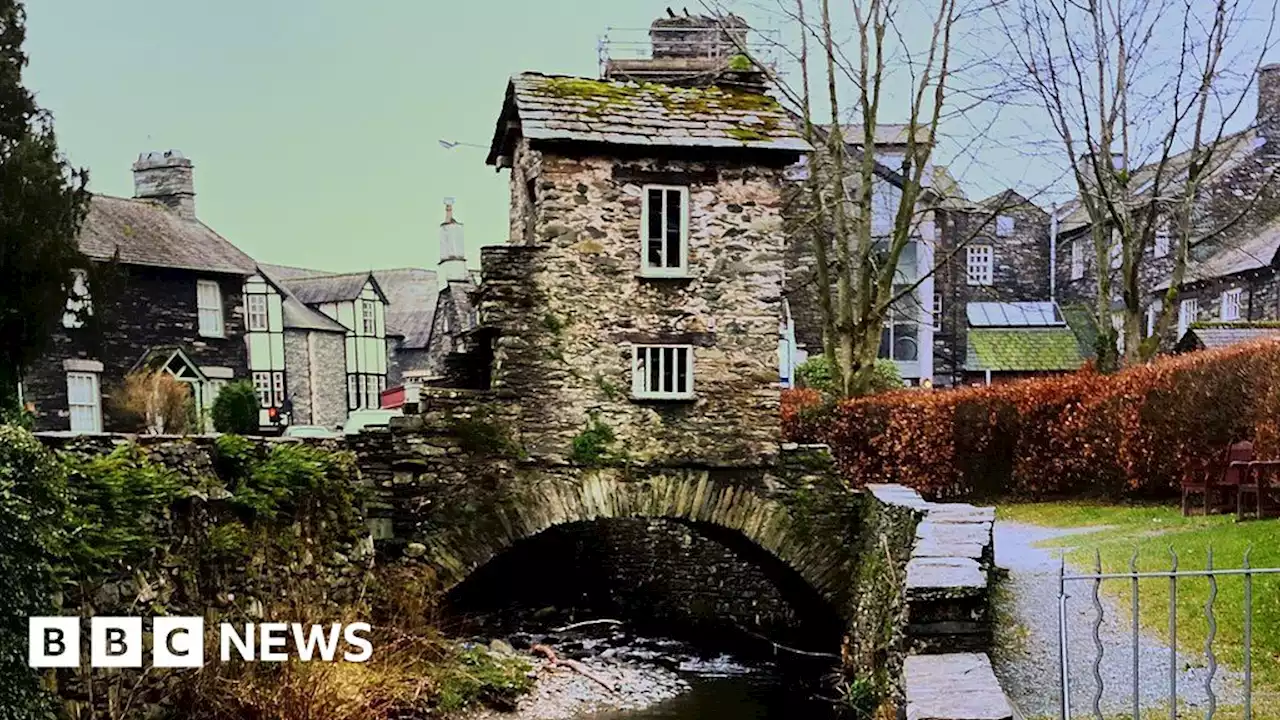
[453,247]
[1268,120]
[692,50]
[168,177]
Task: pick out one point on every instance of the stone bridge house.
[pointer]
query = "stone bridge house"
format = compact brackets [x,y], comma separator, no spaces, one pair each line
[626,409]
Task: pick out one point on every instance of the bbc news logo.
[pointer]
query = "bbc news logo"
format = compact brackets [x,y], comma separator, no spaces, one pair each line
[179,642]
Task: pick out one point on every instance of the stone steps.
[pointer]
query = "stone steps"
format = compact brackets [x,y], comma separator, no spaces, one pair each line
[954,686]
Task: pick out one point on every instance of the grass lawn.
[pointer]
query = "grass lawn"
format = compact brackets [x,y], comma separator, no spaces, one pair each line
[1152,531]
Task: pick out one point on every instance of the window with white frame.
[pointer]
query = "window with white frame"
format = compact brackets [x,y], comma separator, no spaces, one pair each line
[1188,310]
[1153,312]
[1230,309]
[1117,254]
[353,392]
[979,264]
[1004,226]
[1160,246]
[1077,260]
[937,311]
[369,318]
[79,304]
[664,230]
[256,310]
[262,385]
[662,371]
[209,308]
[84,400]
[277,387]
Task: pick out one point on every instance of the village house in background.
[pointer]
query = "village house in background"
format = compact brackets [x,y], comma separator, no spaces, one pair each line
[1231,292]
[166,292]
[163,289]
[964,255]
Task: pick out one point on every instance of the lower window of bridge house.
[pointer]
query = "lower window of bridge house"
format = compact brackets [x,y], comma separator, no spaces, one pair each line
[662,372]
[662,577]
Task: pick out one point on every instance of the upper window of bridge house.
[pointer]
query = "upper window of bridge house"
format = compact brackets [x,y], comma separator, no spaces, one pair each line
[664,231]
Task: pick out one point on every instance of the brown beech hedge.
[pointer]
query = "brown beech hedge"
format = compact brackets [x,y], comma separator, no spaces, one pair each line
[1134,434]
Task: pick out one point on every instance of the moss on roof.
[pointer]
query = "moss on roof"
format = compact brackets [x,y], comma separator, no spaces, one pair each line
[1022,349]
[607,93]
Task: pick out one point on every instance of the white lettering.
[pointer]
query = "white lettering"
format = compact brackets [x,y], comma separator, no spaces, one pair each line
[307,643]
[244,645]
[272,637]
[355,640]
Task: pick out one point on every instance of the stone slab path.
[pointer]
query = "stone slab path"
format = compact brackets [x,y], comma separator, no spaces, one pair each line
[1029,670]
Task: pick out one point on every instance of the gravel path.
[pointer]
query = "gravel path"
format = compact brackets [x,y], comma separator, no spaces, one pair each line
[1028,667]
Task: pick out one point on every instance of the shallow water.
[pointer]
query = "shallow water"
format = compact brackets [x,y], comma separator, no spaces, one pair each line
[756,695]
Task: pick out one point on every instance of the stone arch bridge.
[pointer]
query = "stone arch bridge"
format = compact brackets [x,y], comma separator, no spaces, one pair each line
[896,570]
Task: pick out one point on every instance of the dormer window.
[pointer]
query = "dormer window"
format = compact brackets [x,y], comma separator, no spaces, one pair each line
[664,231]
[79,304]
[368,318]
[209,308]
[662,372]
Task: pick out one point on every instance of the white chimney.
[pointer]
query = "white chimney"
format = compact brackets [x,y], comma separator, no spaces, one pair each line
[453,247]
[168,177]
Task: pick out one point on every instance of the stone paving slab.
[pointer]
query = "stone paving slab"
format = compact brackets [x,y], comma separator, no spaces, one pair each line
[954,686]
[947,573]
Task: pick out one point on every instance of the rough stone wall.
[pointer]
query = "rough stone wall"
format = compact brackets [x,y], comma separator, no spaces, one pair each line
[188,574]
[316,363]
[441,342]
[147,307]
[579,307]
[443,495]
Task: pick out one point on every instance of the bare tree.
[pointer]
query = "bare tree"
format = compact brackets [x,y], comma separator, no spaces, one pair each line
[863,214]
[1139,94]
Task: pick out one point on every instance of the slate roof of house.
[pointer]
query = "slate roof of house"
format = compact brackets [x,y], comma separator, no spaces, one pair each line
[1212,337]
[329,288]
[576,109]
[410,293]
[295,314]
[1027,349]
[146,232]
[1233,149]
[1235,253]
[411,297]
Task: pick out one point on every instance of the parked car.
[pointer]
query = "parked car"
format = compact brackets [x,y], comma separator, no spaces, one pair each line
[358,420]
[310,431]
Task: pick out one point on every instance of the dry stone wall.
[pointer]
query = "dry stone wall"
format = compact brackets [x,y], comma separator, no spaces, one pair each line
[568,305]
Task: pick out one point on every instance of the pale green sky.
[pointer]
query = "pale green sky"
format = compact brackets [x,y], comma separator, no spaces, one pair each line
[313,124]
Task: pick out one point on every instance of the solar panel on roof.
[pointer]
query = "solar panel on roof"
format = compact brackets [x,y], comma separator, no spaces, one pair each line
[1014,314]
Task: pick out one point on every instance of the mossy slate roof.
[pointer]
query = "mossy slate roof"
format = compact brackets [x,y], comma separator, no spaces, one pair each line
[1022,350]
[575,109]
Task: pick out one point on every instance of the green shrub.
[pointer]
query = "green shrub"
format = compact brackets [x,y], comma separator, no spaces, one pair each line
[33,534]
[118,504]
[236,409]
[818,374]
[593,444]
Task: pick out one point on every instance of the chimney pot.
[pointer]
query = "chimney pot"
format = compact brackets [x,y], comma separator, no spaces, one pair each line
[166,176]
[453,248]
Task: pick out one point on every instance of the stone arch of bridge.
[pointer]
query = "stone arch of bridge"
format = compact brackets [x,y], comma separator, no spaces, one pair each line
[795,528]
